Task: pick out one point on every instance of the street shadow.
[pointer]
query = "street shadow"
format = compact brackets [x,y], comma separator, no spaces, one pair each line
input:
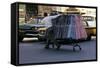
[68,49]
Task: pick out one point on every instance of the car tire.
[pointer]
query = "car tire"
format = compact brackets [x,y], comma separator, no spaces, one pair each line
[40,39]
[21,39]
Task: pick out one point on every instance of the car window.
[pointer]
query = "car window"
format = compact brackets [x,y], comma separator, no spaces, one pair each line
[85,24]
[91,23]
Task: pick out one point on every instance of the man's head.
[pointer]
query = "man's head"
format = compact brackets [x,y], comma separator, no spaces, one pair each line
[55,13]
[45,14]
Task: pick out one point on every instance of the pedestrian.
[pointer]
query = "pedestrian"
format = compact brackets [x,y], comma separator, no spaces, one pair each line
[49,31]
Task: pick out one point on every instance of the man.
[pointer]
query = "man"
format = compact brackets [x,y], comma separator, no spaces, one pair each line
[49,32]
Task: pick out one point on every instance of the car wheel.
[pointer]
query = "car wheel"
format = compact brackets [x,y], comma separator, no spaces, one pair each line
[40,39]
[21,39]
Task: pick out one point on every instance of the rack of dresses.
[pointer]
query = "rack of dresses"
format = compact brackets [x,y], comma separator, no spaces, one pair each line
[66,27]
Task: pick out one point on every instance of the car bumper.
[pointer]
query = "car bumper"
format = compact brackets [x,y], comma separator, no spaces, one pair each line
[34,35]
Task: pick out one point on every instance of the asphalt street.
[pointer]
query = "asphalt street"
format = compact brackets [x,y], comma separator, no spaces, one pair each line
[33,51]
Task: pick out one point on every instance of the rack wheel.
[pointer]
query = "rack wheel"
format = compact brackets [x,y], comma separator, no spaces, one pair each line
[74,47]
[46,47]
[53,45]
[58,47]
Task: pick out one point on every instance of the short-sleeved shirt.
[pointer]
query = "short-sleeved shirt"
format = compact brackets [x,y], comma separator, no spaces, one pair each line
[48,20]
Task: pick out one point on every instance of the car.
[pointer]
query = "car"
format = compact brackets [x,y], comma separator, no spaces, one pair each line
[31,29]
[90,30]
[90,25]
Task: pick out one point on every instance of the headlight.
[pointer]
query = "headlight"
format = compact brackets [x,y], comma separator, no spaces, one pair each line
[42,32]
[34,28]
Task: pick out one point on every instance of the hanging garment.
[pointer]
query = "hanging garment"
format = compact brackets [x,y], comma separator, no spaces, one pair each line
[81,32]
[65,28]
[68,26]
[59,27]
[71,31]
[77,27]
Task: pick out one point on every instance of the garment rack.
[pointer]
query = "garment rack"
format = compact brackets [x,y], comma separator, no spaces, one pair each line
[58,45]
